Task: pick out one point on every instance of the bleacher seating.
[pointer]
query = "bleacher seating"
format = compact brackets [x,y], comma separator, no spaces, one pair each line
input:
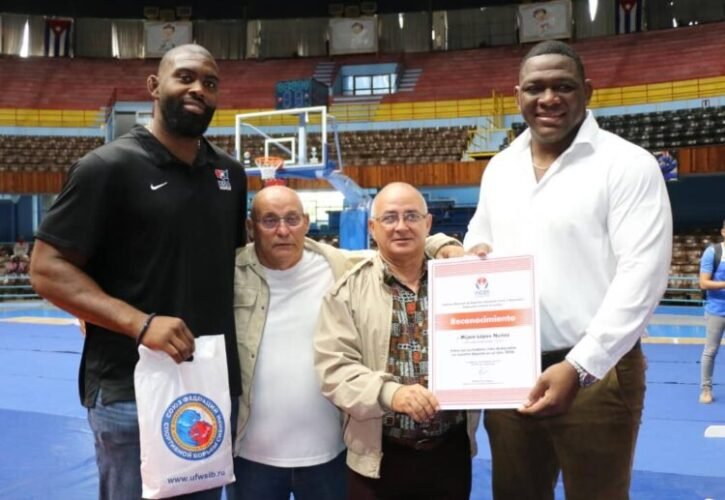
[379,147]
[687,248]
[43,153]
[51,83]
[39,83]
[664,129]
[614,61]
[16,287]
[683,286]
[14,280]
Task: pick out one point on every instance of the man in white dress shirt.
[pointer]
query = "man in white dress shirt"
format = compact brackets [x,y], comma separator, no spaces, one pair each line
[593,210]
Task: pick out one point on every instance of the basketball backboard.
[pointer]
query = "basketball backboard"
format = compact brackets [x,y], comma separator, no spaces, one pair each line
[301,136]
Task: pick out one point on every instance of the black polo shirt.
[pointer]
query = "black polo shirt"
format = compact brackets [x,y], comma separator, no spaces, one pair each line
[158,234]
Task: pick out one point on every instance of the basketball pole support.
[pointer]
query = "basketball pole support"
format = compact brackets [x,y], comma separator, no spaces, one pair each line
[354,217]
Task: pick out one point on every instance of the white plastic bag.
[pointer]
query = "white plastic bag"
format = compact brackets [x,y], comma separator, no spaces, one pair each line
[183,415]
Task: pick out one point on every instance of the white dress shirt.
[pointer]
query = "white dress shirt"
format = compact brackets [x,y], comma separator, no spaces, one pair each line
[599,226]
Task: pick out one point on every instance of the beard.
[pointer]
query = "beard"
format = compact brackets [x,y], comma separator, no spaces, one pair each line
[183,122]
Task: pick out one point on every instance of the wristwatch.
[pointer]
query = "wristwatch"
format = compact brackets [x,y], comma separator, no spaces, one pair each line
[585,378]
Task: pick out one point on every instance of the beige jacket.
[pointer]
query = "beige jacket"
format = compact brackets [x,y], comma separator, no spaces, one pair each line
[351,351]
[251,301]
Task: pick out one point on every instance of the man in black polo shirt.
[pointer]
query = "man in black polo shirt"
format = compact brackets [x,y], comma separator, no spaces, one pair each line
[141,245]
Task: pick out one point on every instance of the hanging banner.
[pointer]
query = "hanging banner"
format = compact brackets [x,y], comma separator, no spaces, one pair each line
[357,35]
[544,21]
[160,37]
[58,33]
[629,15]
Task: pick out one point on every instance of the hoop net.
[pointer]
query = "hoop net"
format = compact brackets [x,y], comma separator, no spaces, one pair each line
[268,166]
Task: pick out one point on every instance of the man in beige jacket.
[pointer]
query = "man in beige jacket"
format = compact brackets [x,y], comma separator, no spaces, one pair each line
[371,352]
[289,437]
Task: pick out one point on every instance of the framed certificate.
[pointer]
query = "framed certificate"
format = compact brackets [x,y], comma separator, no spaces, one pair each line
[483,331]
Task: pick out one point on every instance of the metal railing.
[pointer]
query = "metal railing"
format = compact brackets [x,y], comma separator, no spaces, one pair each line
[16,287]
[687,291]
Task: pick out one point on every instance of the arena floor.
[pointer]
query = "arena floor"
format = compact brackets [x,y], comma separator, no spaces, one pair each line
[48,449]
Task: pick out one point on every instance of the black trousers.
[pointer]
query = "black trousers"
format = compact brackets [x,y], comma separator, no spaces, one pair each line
[441,473]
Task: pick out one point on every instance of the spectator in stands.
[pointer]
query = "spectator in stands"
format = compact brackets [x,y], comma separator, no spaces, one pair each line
[18,265]
[280,281]
[13,265]
[399,444]
[21,248]
[120,248]
[593,210]
[712,279]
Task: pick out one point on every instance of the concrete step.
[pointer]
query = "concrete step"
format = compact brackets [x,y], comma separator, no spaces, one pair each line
[409,79]
[324,72]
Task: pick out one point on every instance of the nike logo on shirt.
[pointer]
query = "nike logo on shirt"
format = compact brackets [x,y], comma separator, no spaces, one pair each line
[154,187]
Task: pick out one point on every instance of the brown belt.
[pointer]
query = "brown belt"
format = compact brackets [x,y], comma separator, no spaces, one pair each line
[427,443]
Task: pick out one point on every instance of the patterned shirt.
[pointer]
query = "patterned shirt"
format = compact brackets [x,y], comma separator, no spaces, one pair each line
[408,358]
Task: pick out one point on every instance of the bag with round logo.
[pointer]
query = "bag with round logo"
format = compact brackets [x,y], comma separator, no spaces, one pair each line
[183,415]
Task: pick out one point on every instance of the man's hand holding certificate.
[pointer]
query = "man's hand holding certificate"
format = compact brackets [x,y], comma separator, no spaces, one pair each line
[483,331]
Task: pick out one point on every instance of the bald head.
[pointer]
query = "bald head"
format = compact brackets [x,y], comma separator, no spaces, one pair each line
[183,51]
[185,92]
[274,194]
[397,189]
[279,225]
[399,223]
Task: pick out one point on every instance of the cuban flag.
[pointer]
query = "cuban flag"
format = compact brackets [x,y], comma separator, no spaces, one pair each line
[57,37]
[629,15]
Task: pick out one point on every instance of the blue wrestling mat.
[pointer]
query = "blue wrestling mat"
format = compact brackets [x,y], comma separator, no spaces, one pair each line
[48,448]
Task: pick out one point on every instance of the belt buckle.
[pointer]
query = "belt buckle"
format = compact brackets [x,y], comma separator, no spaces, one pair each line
[426,443]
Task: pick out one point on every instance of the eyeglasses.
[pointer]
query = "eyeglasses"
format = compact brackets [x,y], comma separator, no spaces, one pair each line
[391,219]
[272,221]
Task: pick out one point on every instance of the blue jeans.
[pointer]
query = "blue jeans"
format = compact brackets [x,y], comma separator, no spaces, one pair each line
[715,328]
[257,481]
[118,452]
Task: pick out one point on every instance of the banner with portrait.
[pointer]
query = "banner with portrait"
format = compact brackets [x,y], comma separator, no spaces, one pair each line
[357,35]
[161,36]
[544,21]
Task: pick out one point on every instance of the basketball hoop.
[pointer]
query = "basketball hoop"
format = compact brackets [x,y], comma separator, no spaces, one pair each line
[268,166]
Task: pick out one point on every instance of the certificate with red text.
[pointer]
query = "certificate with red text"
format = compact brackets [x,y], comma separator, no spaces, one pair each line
[484,348]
